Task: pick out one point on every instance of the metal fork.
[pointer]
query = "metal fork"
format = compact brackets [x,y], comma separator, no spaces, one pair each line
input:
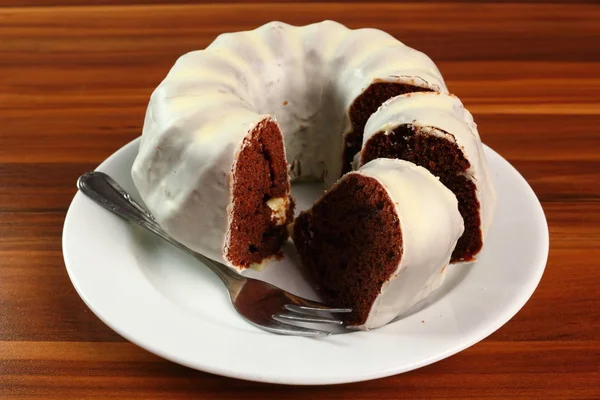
[262,304]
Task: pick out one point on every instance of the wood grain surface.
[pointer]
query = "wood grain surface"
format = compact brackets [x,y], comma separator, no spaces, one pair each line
[75,77]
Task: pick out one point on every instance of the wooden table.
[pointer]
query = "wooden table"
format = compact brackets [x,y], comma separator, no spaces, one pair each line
[74,83]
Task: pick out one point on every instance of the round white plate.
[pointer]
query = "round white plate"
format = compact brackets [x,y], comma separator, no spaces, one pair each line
[166,302]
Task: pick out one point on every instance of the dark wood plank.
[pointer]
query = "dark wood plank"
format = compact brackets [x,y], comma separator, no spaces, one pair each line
[145,34]
[83,375]
[54,3]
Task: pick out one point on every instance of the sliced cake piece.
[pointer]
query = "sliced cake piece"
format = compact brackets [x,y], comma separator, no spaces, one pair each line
[435,131]
[379,240]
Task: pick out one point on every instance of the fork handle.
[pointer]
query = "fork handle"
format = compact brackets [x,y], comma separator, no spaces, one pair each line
[109,194]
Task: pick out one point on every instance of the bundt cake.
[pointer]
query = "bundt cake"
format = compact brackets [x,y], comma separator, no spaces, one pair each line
[435,131]
[222,128]
[379,240]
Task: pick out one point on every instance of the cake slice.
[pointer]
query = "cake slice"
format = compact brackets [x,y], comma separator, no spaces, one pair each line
[379,240]
[435,131]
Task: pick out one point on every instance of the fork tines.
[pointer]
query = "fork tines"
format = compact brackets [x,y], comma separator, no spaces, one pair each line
[301,313]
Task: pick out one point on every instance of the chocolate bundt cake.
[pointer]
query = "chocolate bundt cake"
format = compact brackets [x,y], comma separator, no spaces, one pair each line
[224,124]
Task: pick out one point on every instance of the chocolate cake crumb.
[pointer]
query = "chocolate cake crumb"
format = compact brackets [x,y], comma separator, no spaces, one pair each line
[259,174]
[352,242]
[365,105]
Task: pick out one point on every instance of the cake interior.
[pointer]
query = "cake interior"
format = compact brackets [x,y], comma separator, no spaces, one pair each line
[443,159]
[262,206]
[351,240]
[365,105]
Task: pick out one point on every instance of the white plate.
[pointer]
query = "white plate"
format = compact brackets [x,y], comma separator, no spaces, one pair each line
[165,302]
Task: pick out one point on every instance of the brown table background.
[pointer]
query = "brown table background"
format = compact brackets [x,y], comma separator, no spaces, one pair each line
[74,83]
